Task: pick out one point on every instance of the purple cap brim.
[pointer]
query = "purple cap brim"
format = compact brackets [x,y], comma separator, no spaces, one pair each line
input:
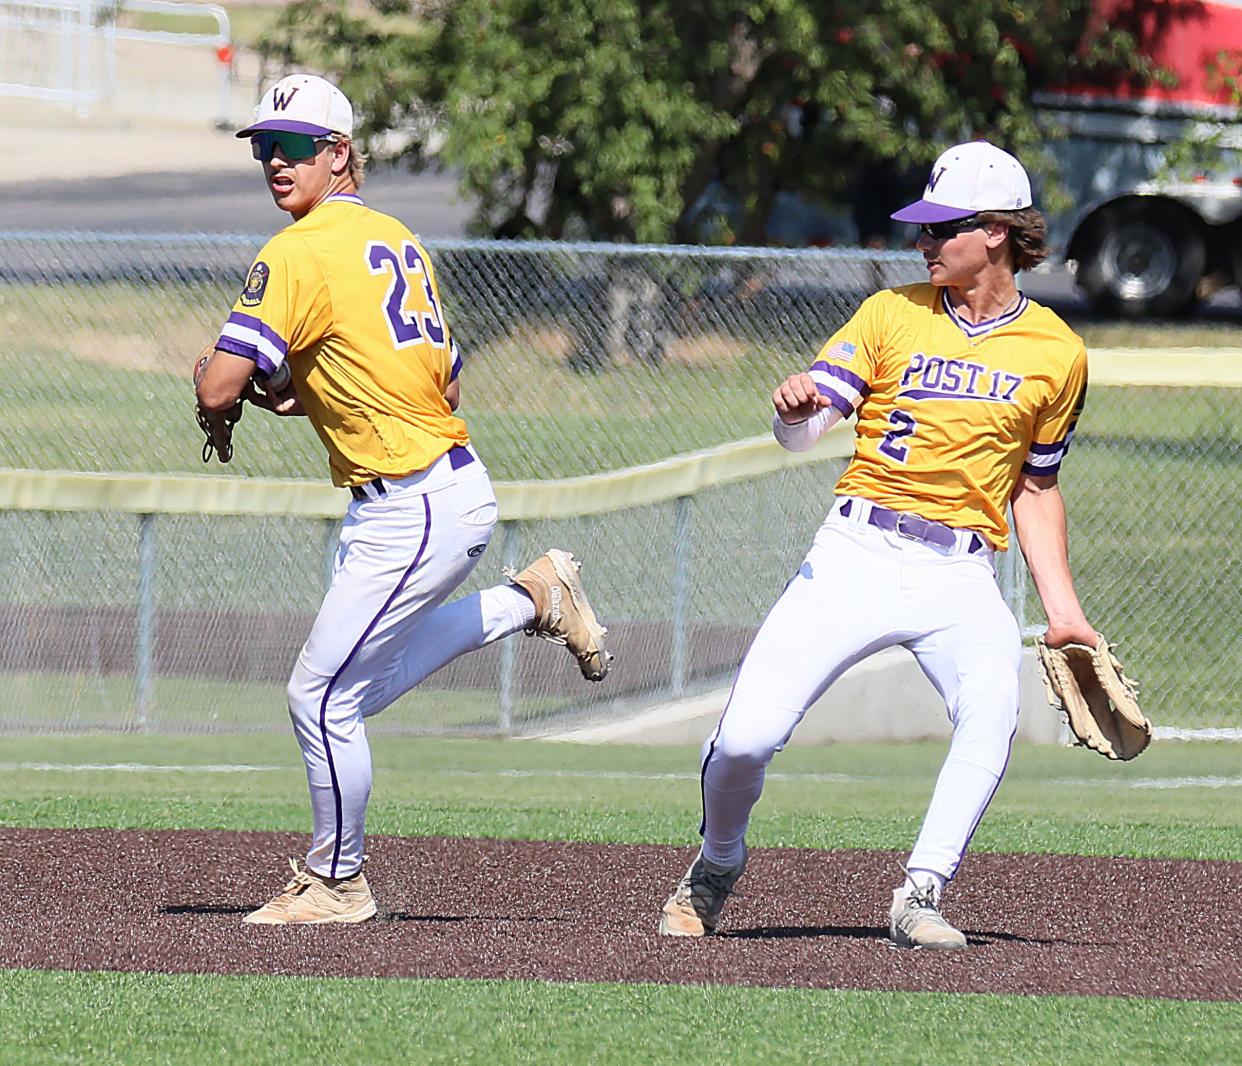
[925,211]
[285,125]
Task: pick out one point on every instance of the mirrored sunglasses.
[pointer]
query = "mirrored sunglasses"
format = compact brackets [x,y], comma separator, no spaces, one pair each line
[942,231]
[265,144]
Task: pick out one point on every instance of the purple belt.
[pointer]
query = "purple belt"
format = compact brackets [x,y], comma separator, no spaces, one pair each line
[912,526]
[458,456]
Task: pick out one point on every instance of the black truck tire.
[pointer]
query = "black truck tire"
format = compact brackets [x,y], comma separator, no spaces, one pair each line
[1138,259]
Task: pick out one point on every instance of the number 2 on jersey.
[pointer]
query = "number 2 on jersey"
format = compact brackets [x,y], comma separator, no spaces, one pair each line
[406,327]
[903,425]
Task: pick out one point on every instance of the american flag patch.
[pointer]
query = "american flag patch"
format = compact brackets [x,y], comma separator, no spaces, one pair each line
[842,351]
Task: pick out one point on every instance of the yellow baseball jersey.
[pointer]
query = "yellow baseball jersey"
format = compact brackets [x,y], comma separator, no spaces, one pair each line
[949,412]
[347,296]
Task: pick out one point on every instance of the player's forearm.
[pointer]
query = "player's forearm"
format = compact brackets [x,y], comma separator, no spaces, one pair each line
[220,382]
[801,436]
[1039,521]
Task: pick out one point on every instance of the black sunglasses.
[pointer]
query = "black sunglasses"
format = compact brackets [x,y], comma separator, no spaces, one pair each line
[265,144]
[942,231]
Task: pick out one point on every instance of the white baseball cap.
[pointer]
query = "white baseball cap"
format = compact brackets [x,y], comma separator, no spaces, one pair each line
[302,103]
[968,178]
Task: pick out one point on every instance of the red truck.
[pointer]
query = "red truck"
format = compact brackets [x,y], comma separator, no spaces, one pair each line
[1146,239]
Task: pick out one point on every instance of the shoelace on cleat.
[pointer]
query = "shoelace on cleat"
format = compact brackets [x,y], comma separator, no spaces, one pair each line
[923,899]
[718,884]
[554,638]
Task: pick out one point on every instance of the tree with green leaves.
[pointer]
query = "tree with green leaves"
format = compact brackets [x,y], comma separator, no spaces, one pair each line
[576,119]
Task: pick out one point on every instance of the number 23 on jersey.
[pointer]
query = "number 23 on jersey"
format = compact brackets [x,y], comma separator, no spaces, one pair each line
[406,269]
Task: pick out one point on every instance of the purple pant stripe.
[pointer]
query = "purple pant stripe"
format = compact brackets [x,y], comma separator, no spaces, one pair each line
[711,749]
[323,707]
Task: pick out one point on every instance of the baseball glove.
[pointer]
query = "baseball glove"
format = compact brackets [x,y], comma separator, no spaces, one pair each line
[217,426]
[1099,702]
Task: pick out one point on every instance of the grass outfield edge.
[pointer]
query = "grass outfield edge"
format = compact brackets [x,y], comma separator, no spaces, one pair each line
[125,1017]
[997,836]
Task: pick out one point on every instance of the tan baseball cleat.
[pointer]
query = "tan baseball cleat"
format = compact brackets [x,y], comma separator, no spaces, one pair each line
[563,613]
[915,921]
[312,899]
[695,905]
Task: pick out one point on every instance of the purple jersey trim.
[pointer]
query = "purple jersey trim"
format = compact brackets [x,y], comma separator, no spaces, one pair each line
[989,325]
[1051,449]
[1041,471]
[246,351]
[836,399]
[847,376]
[936,394]
[237,318]
[236,347]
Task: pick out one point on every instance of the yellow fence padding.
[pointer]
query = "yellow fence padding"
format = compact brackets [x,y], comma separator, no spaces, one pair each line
[683,475]
[1184,367]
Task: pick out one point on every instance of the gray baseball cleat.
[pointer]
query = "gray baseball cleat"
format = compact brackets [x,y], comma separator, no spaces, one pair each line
[915,921]
[695,905]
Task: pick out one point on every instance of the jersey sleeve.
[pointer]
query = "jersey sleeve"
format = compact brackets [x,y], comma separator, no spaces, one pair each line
[845,368]
[455,356]
[1055,423]
[283,306]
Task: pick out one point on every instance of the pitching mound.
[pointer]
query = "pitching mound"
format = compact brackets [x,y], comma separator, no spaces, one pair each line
[171,902]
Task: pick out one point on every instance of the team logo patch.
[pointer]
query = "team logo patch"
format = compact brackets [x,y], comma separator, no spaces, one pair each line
[256,285]
[476,551]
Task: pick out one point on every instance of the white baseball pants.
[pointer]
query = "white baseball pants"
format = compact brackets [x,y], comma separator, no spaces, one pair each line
[861,589]
[384,626]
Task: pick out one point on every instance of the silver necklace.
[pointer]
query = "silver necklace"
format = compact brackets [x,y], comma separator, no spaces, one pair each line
[974,342]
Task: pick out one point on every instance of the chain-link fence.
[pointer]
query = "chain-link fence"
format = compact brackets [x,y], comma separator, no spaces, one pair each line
[580,359]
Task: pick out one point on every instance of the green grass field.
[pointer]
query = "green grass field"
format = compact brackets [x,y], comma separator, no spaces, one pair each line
[620,793]
[45,702]
[1152,488]
[1148,482]
[1052,800]
[138,1018]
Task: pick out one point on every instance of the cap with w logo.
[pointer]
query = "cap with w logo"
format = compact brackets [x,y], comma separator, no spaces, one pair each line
[968,178]
[302,103]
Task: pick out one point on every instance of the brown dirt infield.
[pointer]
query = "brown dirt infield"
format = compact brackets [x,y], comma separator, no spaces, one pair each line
[171,902]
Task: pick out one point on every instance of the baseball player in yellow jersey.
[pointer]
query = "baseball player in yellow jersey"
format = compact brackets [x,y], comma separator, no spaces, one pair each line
[966,394]
[346,299]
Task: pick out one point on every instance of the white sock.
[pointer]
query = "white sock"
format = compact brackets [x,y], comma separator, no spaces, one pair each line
[515,600]
[918,879]
[730,858]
